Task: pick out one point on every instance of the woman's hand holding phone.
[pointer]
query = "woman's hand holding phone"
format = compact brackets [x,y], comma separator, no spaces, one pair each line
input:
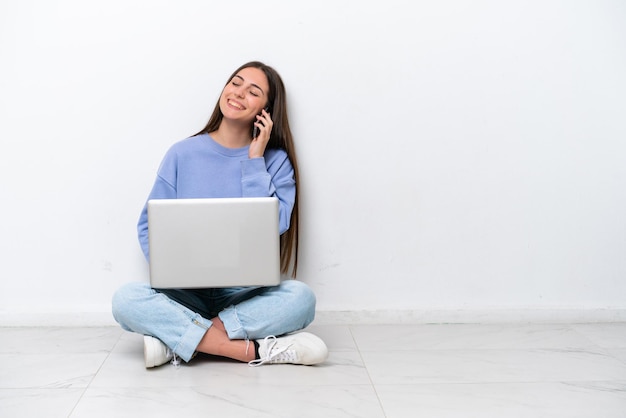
[260,134]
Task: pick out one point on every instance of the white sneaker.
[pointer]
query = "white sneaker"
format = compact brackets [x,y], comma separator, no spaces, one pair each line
[155,353]
[302,348]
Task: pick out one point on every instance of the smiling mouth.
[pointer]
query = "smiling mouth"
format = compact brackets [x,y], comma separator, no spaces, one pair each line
[235,105]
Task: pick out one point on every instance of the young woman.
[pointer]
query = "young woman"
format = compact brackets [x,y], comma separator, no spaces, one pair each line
[245,150]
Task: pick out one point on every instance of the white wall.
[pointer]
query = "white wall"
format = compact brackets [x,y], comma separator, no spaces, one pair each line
[456,156]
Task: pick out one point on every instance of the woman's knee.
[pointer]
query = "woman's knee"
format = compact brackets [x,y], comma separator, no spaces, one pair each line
[303,299]
[300,290]
[125,298]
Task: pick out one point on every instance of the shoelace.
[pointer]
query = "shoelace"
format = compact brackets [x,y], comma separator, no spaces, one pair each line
[275,355]
[175,361]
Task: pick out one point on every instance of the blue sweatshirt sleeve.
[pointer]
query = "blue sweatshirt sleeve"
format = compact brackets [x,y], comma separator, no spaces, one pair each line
[272,175]
[163,188]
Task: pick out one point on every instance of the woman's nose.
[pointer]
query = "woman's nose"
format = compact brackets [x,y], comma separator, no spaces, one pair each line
[240,92]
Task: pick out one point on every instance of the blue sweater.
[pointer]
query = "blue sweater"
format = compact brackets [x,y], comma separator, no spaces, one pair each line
[199,167]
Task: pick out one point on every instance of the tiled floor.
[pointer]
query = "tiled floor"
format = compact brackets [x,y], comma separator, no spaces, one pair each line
[396,371]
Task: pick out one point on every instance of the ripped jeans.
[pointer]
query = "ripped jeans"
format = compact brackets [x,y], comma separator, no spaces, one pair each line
[181,317]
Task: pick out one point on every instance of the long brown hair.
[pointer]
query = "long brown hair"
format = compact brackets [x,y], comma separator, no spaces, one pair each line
[281,138]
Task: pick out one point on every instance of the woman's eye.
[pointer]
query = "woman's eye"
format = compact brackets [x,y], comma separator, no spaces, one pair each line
[255,93]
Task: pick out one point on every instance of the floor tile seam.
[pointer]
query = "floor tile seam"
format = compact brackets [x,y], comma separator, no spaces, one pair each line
[80,398]
[119,338]
[358,350]
[369,376]
[86,388]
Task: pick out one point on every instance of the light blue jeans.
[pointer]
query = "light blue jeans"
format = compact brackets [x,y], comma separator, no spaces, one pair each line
[180,318]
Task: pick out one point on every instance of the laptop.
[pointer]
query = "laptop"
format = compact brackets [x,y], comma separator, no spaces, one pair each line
[213,242]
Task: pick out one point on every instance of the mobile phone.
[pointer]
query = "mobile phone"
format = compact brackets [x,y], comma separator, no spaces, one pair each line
[255,130]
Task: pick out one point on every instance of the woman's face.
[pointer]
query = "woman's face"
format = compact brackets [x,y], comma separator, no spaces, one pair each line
[245,95]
